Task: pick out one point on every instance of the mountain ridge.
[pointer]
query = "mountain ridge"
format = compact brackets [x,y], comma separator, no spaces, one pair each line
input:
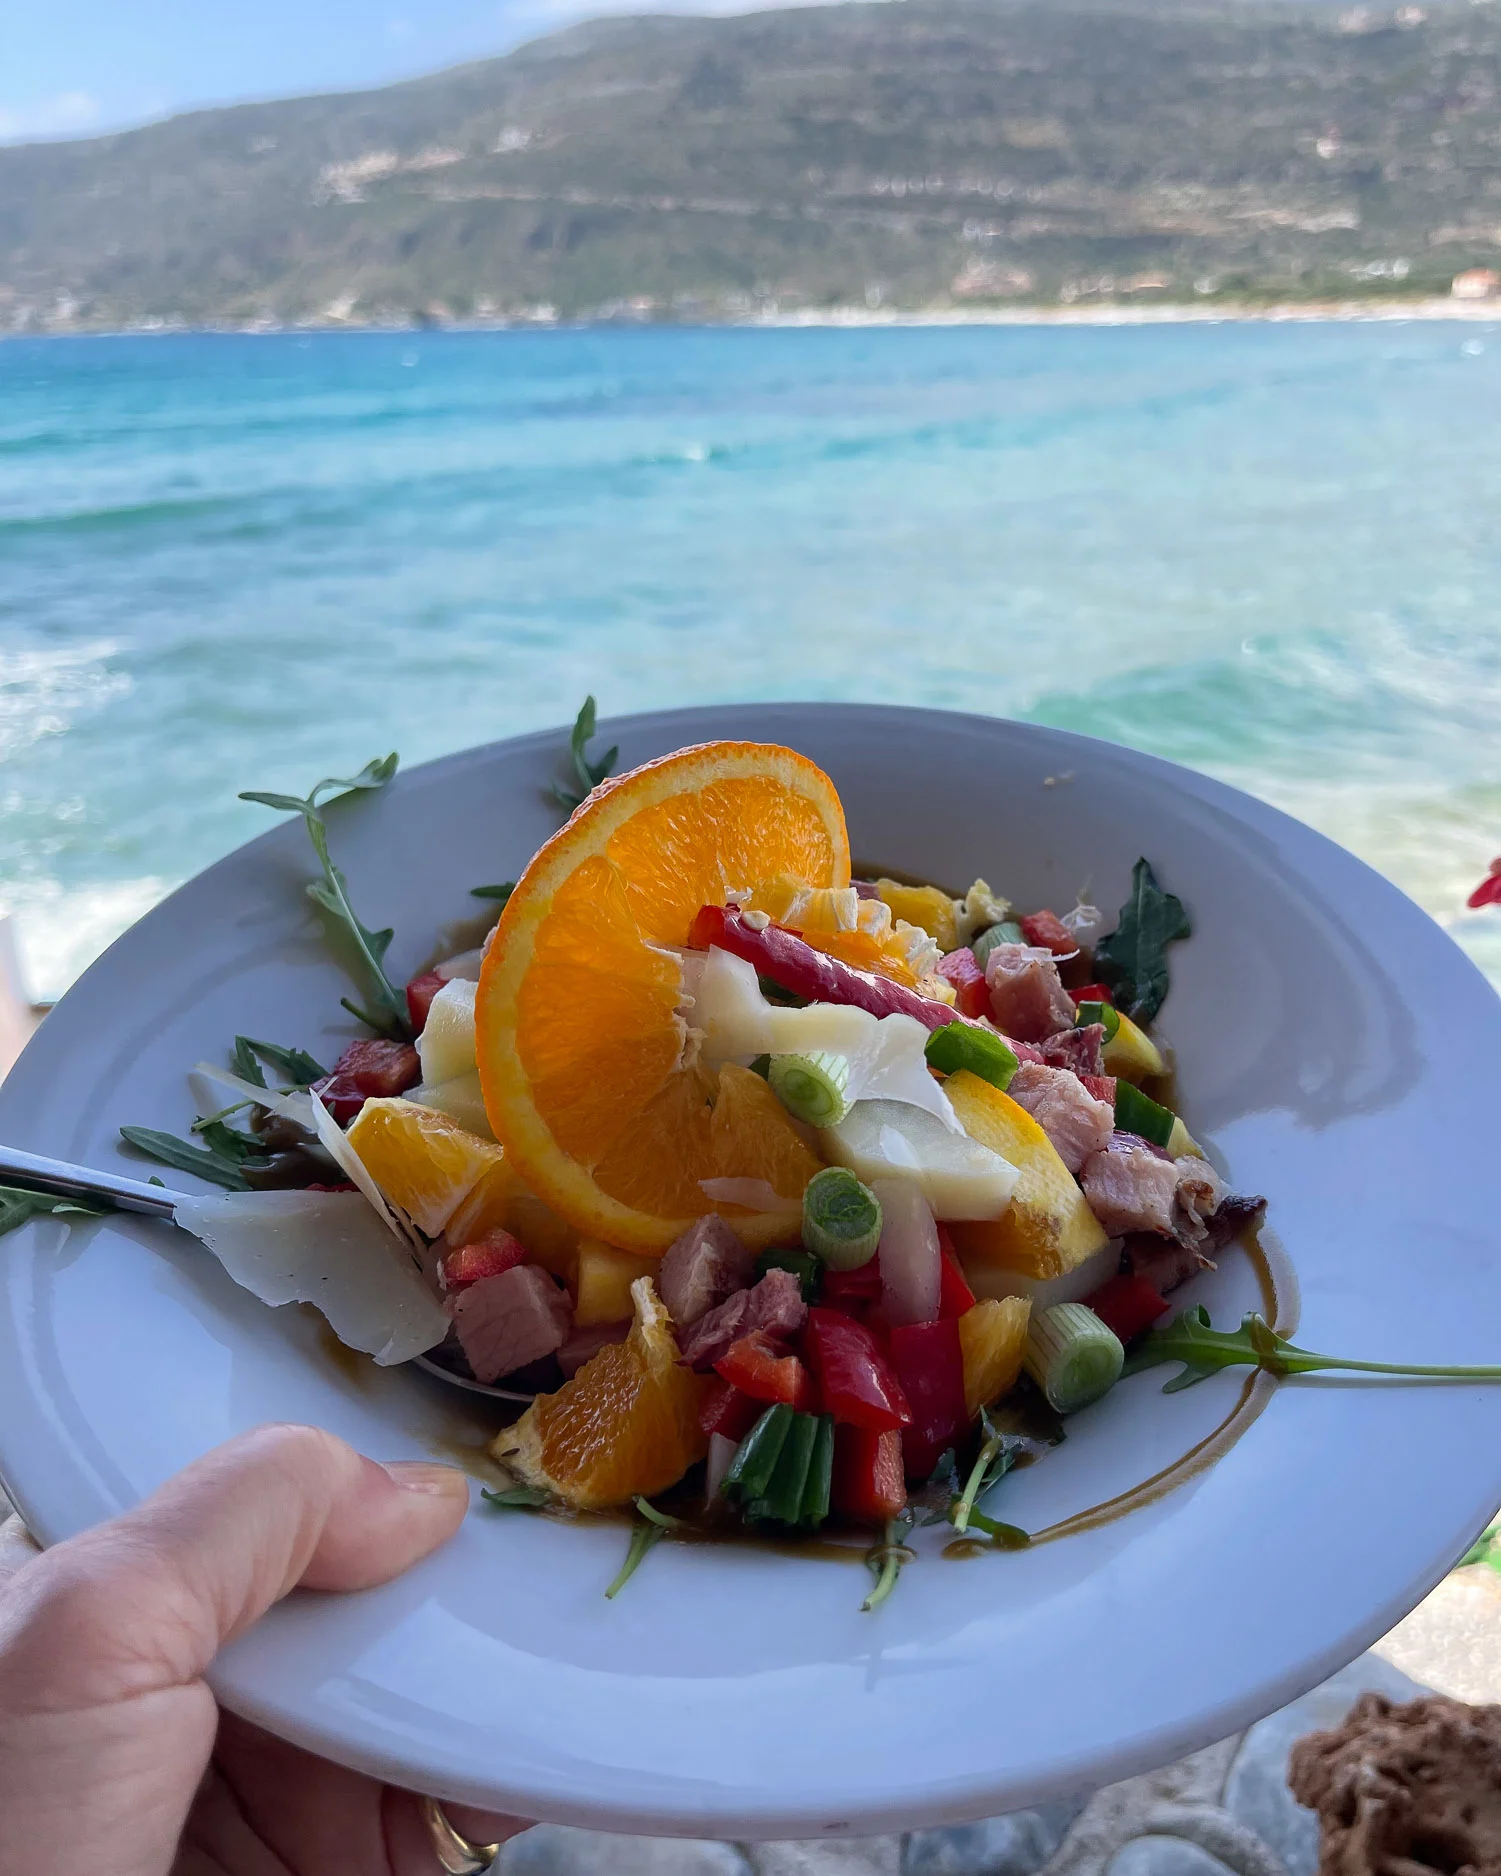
[916,154]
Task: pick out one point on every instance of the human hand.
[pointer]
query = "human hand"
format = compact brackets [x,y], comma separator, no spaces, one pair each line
[113,1753]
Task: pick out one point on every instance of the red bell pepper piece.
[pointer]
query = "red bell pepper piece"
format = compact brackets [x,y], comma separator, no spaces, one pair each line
[420,993]
[1093,993]
[1488,892]
[929,1361]
[729,1412]
[855,1381]
[755,1367]
[490,1256]
[1102,1087]
[852,1292]
[364,1072]
[954,1293]
[793,963]
[869,1486]
[1049,931]
[1128,1305]
[963,970]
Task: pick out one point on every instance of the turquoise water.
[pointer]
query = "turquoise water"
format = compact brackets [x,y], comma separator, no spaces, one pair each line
[1273,552]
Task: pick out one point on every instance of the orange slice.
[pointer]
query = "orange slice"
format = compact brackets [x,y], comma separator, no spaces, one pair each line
[587,1063]
[422,1160]
[626,1423]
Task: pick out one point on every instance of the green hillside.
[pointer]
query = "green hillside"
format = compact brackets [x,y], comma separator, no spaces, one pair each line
[923,152]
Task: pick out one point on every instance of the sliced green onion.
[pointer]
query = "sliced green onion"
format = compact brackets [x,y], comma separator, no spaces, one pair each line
[966,1045]
[756,1456]
[1008,932]
[1138,1113]
[820,1476]
[789,1483]
[841,1219]
[1104,1013]
[812,1088]
[807,1268]
[1072,1356]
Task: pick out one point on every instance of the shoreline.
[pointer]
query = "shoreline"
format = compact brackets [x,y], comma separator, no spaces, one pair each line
[1432,309]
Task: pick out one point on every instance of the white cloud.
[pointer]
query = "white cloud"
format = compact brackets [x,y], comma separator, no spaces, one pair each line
[67,114]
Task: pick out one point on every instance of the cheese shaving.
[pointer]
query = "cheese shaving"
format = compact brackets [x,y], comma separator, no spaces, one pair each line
[328,1249]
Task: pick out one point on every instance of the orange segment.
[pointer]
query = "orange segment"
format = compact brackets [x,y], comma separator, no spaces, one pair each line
[626,1423]
[502,1202]
[422,1160]
[836,920]
[585,1059]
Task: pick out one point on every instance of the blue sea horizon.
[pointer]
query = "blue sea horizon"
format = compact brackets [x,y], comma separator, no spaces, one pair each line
[227,562]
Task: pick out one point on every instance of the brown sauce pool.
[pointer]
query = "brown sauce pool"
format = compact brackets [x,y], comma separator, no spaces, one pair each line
[466,1443]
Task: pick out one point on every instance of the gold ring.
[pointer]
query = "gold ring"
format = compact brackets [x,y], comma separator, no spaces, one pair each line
[456,1853]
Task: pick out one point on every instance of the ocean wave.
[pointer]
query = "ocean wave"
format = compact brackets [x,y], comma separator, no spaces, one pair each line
[60,931]
[42,690]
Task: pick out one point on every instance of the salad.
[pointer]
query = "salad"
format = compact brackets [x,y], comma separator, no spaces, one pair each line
[795,1202]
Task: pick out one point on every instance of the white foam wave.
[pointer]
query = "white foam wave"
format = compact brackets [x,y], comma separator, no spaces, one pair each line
[59,933]
[42,690]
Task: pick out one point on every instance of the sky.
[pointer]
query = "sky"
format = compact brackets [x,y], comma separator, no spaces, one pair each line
[76,67]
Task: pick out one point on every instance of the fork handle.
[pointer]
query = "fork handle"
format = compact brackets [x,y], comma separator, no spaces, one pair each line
[32,1173]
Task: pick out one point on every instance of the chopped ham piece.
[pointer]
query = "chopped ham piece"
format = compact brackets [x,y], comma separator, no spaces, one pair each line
[705,1267]
[505,1322]
[1027,997]
[1071,1117]
[775,1307]
[1234,1215]
[1164,1262]
[1130,1188]
[1082,1050]
[584,1344]
[364,1071]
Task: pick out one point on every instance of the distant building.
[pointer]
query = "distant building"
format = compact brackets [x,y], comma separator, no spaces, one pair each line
[1476,283]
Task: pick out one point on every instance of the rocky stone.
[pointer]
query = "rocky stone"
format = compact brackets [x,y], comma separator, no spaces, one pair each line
[1164,1856]
[558,1850]
[848,1856]
[1001,1846]
[1115,1815]
[1256,1791]
[1452,1641]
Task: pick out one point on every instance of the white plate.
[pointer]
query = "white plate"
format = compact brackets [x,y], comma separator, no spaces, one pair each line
[1335,1047]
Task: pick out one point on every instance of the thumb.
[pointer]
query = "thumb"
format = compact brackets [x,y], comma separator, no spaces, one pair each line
[146,1601]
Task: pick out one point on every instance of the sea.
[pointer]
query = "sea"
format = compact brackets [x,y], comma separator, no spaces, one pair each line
[1271,551]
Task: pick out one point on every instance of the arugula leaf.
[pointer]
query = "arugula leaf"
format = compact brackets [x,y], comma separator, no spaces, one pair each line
[18,1208]
[998,1453]
[936,1496]
[518,1498]
[590,774]
[1204,1350]
[500,894]
[653,1527]
[884,1560]
[389,1013]
[296,1067]
[244,1064]
[1133,959]
[214,1162]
